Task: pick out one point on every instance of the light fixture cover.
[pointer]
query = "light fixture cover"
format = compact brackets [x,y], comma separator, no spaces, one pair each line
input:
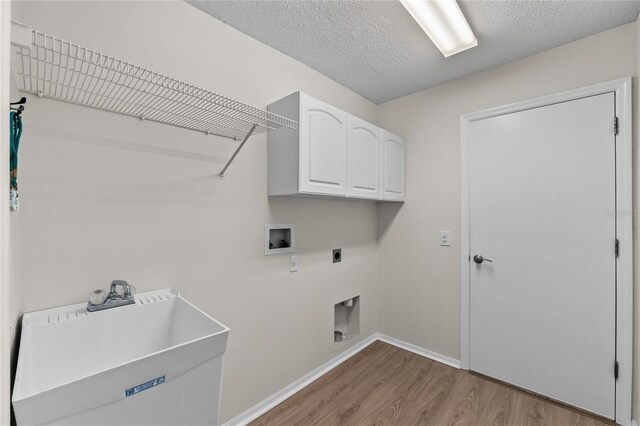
[444,23]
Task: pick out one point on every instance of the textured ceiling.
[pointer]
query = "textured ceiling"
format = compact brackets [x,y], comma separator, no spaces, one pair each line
[376,49]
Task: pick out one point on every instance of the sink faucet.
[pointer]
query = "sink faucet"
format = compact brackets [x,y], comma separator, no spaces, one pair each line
[98,301]
[126,290]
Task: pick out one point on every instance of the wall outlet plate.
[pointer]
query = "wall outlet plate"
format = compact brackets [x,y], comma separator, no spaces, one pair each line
[444,238]
[337,255]
[293,263]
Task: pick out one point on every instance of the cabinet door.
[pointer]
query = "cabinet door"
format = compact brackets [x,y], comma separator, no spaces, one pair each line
[363,159]
[393,167]
[323,148]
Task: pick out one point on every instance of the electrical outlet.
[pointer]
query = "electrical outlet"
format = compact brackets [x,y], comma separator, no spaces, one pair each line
[337,255]
[444,238]
[293,263]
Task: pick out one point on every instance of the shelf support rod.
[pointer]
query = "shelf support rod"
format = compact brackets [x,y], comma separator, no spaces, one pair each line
[246,137]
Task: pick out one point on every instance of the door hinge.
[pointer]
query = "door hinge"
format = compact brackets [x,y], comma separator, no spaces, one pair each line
[615,126]
[617,247]
[616,368]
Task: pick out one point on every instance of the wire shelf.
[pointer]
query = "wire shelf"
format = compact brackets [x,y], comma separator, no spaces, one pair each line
[53,68]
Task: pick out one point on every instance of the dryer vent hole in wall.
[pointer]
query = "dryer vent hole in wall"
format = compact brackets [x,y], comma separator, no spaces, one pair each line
[346,323]
[337,255]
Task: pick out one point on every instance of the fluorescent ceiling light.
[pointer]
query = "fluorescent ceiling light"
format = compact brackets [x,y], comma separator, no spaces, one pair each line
[444,23]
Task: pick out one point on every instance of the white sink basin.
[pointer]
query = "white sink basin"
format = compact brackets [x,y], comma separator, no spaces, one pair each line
[156,362]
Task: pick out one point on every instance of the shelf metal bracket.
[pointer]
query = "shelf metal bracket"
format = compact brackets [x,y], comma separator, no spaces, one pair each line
[246,137]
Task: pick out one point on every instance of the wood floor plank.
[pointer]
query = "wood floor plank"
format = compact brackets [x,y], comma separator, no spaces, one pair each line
[498,407]
[327,398]
[396,366]
[430,403]
[462,405]
[386,385]
[330,386]
[391,397]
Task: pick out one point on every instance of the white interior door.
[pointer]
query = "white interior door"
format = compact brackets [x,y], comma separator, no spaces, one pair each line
[541,197]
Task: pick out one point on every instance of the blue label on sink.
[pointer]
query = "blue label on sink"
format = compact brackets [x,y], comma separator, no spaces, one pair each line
[143,387]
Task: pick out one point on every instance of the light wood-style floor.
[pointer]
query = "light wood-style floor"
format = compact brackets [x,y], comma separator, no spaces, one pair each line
[386,385]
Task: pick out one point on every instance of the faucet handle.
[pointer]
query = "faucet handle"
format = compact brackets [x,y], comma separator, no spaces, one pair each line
[97,297]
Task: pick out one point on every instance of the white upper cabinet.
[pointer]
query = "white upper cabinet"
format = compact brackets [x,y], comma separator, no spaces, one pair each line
[323,148]
[332,153]
[363,159]
[392,178]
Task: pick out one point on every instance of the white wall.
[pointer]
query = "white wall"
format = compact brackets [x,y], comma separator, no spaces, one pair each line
[14,288]
[105,197]
[8,300]
[419,280]
[636,240]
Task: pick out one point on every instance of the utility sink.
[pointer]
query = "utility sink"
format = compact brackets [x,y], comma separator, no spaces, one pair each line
[158,361]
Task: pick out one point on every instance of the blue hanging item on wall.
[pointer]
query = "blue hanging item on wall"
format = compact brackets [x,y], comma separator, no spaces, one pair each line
[15,126]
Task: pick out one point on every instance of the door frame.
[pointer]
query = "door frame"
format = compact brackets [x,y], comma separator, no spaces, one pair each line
[624,211]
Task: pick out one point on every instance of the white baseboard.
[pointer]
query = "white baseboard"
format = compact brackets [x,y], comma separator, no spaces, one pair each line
[275,399]
[420,351]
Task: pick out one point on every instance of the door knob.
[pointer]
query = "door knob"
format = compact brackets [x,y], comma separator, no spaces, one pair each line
[479,259]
